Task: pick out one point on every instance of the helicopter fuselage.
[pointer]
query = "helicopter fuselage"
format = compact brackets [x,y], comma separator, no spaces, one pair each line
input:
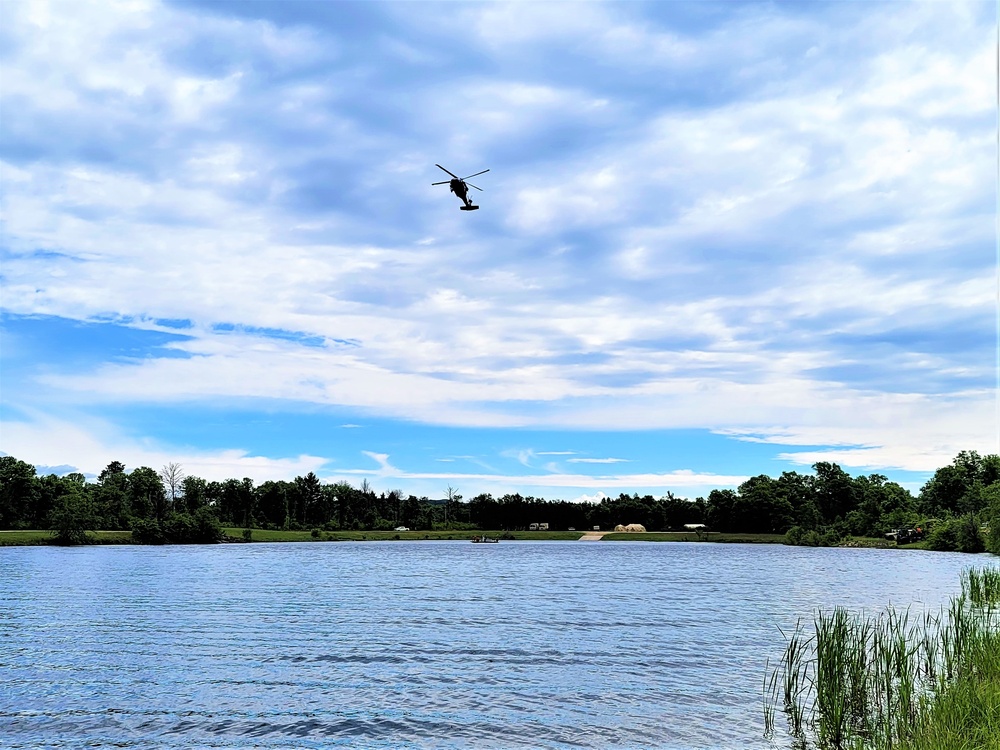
[458,188]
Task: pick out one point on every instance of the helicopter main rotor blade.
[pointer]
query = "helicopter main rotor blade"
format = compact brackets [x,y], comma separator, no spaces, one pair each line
[451,173]
[441,183]
[477,188]
[475,175]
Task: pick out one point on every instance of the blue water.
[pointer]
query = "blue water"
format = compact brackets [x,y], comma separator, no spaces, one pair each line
[418,644]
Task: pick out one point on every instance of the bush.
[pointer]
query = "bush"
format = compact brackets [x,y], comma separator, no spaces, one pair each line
[315,533]
[811,539]
[201,527]
[831,538]
[147,531]
[957,535]
[179,528]
[794,535]
[207,525]
[968,537]
[944,537]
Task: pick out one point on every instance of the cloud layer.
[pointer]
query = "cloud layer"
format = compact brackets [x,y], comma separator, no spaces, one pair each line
[774,223]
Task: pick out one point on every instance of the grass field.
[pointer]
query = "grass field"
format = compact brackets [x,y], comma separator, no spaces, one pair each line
[687,536]
[37,537]
[235,534]
[263,535]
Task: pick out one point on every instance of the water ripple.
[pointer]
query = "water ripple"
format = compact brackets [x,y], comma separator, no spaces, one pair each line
[417,645]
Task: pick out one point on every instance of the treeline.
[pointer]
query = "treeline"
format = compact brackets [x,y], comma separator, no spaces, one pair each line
[954,507]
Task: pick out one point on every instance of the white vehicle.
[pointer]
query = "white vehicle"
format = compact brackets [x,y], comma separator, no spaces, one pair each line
[401,528]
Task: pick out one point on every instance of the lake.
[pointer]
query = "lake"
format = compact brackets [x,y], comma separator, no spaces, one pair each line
[419,644]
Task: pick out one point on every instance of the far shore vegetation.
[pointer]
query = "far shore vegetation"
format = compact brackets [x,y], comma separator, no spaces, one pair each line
[958,509]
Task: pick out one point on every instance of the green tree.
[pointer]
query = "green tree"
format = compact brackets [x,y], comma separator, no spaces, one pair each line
[147,497]
[968,537]
[72,516]
[237,502]
[835,494]
[957,489]
[111,500]
[307,501]
[50,489]
[193,494]
[992,517]
[761,508]
[18,492]
[721,506]
[115,467]
[272,503]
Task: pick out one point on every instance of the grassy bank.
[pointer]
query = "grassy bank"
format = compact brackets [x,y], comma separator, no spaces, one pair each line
[688,536]
[41,537]
[264,535]
[894,682]
[235,534]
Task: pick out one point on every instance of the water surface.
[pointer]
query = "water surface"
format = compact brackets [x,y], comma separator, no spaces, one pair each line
[419,644]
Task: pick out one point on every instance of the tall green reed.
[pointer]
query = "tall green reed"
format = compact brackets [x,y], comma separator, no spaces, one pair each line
[871,681]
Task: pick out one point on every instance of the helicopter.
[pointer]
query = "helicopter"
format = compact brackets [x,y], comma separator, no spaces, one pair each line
[460,187]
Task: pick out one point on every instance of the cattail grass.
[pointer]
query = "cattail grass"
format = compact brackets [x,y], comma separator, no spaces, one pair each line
[892,681]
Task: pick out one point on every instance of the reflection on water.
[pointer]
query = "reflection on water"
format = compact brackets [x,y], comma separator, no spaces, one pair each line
[418,644]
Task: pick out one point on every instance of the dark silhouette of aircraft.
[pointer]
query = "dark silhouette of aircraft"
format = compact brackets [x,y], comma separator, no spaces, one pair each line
[460,187]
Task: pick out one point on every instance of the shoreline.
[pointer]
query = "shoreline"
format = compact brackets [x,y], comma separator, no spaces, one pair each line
[233,535]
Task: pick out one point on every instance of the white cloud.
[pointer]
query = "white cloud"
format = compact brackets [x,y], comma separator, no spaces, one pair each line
[681,479]
[585,498]
[43,440]
[691,263]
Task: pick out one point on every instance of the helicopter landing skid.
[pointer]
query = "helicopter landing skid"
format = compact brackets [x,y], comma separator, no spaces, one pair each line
[469,208]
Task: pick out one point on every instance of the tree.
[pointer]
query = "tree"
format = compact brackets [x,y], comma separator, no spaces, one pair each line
[115,467]
[236,504]
[968,537]
[992,514]
[452,498]
[194,493]
[272,503]
[835,494]
[720,510]
[798,490]
[146,493]
[172,475]
[761,508]
[395,502]
[72,516]
[959,487]
[18,491]
[306,497]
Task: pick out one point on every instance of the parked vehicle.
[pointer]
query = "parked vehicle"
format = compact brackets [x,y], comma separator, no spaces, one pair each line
[906,536]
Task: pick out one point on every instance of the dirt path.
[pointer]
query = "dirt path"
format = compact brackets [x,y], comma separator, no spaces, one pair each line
[593,536]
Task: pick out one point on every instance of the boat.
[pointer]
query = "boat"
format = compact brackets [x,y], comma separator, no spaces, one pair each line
[484,540]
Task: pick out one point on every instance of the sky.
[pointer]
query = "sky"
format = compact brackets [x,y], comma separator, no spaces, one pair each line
[716,240]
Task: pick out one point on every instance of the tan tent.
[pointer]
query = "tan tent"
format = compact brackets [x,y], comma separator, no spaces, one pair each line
[630,527]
